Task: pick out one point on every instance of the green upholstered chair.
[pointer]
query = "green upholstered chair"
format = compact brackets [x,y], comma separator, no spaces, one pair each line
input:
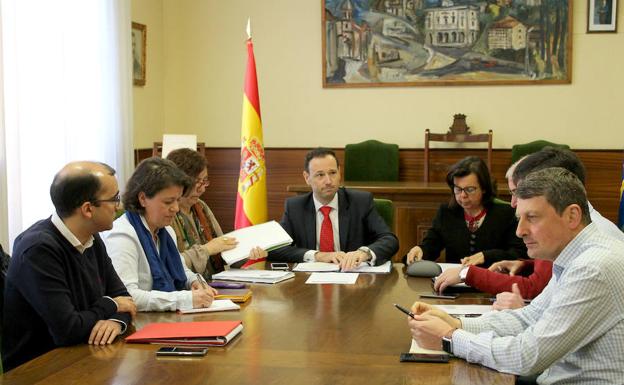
[520,150]
[371,160]
[385,208]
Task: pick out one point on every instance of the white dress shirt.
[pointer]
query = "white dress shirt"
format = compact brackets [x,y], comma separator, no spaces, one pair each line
[573,332]
[130,262]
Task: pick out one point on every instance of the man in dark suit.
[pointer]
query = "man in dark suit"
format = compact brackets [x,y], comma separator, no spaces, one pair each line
[333,224]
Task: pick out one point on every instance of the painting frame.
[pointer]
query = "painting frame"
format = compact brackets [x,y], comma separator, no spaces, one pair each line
[531,67]
[139,47]
[602,16]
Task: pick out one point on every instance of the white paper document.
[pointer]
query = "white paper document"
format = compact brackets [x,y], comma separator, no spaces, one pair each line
[259,276]
[337,278]
[469,310]
[309,267]
[217,305]
[364,267]
[415,348]
[268,236]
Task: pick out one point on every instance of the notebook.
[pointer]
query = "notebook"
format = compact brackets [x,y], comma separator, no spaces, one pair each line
[212,333]
[268,236]
[217,305]
[257,276]
[234,295]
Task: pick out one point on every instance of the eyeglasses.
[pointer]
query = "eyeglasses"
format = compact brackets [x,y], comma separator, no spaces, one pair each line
[202,182]
[116,200]
[513,192]
[468,190]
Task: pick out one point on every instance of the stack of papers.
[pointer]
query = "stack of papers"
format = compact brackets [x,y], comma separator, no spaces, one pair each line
[212,333]
[235,295]
[268,236]
[415,348]
[332,267]
[217,305]
[337,278]
[256,276]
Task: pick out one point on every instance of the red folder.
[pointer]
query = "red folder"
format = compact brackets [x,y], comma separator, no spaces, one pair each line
[213,333]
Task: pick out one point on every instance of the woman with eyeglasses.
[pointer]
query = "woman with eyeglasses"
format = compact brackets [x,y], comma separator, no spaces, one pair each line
[471,228]
[199,236]
[142,243]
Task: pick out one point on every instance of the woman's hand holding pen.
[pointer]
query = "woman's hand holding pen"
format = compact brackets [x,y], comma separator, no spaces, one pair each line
[203,294]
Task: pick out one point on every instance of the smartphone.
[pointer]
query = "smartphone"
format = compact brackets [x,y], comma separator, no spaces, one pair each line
[422,357]
[279,266]
[438,296]
[184,351]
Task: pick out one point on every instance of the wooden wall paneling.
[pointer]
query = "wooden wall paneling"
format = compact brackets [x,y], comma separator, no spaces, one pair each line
[285,166]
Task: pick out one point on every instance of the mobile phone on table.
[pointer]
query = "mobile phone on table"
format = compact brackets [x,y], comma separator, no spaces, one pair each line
[279,266]
[438,296]
[182,351]
[424,357]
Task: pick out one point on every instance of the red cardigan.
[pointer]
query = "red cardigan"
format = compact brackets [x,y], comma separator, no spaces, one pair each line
[493,282]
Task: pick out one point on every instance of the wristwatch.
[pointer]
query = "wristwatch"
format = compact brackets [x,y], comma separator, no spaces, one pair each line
[447,344]
[447,341]
[463,273]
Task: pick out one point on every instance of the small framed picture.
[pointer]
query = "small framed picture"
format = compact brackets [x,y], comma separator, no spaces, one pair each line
[138,53]
[601,16]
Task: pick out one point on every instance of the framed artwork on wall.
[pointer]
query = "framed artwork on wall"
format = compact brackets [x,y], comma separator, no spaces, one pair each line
[377,43]
[138,53]
[601,16]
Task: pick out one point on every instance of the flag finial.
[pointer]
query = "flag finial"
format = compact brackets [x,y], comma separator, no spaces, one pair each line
[248,28]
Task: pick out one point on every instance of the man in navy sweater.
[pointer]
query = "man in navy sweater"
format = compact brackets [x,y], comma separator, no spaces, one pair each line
[61,288]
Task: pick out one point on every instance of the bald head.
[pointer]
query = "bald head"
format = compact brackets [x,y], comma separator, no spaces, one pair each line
[76,183]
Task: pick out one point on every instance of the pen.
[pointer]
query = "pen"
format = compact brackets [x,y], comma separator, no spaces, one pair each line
[404,310]
[526,301]
[202,281]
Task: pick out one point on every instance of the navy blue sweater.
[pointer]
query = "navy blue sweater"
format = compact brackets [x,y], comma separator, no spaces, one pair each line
[54,295]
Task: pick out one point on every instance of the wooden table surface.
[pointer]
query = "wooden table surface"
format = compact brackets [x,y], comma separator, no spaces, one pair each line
[293,334]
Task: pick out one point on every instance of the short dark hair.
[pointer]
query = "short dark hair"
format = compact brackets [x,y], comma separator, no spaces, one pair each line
[559,186]
[319,152]
[151,176]
[467,166]
[550,157]
[70,190]
[189,161]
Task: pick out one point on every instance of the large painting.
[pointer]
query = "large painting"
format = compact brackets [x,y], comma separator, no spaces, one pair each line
[446,42]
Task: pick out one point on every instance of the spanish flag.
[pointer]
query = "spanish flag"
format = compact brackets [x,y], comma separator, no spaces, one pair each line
[621,216]
[251,197]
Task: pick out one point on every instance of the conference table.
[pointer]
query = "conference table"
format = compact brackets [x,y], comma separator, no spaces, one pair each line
[294,333]
[415,205]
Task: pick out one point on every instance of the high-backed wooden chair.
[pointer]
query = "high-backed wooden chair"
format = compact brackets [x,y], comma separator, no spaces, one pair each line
[157,148]
[371,160]
[459,132]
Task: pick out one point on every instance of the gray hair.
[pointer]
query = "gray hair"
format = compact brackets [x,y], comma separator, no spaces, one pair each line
[560,187]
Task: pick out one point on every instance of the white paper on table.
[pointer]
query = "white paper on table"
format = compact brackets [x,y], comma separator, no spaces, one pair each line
[337,278]
[446,266]
[465,309]
[268,236]
[217,305]
[174,142]
[415,348]
[366,268]
[308,267]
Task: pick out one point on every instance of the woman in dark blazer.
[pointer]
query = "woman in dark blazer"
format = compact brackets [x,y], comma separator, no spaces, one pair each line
[472,227]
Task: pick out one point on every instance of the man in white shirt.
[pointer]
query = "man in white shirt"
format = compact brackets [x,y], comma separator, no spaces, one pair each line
[571,333]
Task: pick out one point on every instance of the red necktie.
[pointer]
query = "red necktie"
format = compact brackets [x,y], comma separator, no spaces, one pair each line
[326,241]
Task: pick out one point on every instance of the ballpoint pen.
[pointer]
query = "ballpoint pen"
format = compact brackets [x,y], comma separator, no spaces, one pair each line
[202,281]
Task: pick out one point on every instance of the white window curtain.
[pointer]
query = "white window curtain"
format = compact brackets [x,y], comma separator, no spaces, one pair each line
[67,95]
